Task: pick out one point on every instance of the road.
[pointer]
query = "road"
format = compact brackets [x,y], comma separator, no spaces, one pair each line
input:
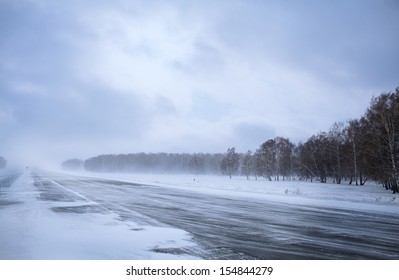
[230,227]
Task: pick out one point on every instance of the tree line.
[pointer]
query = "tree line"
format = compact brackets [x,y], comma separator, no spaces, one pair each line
[353,152]
[359,150]
[199,163]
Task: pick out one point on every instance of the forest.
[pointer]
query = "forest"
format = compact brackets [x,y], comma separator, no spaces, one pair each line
[352,152]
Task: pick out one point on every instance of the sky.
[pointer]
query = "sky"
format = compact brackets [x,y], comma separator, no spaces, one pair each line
[83,78]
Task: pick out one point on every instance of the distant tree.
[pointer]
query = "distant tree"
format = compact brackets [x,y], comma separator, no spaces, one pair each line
[314,158]
[197,164]
[305,162]
[336,139]
[212,163]
[284,153]
[268,159]
[156,162]
[73,164]
[257,163]
[358,146]
[3,162]
[247,164]
[230,162]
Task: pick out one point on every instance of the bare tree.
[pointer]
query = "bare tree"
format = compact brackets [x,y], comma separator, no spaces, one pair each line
[336,141]
[230,162]
[383,118]
[247,164]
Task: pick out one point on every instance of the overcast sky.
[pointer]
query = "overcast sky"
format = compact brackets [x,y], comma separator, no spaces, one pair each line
[82,78]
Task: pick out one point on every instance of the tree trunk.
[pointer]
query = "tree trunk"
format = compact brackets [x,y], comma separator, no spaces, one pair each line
[354,159]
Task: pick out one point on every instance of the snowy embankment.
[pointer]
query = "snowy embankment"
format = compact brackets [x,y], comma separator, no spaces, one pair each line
[31,229]
[369,197]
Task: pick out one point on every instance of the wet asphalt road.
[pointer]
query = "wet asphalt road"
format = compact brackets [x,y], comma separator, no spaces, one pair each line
[230,227]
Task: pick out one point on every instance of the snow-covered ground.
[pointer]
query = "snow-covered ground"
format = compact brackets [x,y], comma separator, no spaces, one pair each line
[49,215]
[29,229]
[368,197]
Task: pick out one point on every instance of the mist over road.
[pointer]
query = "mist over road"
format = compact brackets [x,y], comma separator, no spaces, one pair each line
[232,227]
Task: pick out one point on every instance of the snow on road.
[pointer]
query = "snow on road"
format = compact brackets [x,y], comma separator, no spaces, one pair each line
[35,226]
[369,197]
[257,219]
